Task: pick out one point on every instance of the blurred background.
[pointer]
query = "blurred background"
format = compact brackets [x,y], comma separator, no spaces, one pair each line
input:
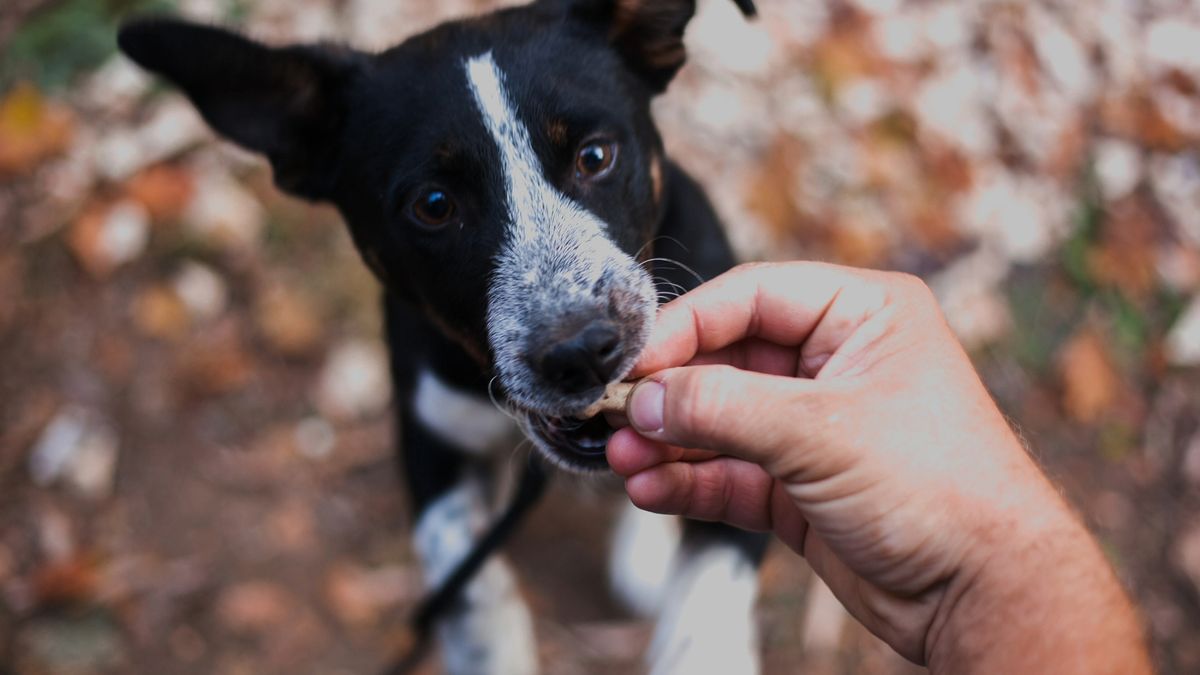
[195,467]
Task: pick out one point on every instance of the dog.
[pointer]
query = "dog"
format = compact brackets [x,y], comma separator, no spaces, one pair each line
[503,179]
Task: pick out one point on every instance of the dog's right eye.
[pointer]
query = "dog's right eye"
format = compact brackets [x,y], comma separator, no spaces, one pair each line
[434,208]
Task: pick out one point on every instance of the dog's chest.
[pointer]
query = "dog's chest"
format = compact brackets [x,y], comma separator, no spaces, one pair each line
[463,419]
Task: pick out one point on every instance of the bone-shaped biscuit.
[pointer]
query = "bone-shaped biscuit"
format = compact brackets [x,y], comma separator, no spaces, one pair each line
[614,400]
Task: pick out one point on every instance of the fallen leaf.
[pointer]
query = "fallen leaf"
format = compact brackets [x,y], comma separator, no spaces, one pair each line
[288,321]
[852,243]
[31,129]
[254,607]
[223,213]
[164,190]
[1126,254]
[354,382]
[216,363]
[292,526]
[315,438]
[202,290]
[358,596]
[70,582]
[846,51]
[1090,383]
[1136,116]
[79,448]
[159,312]
[12,280]
[1183,341]
[107,236]
[770,191]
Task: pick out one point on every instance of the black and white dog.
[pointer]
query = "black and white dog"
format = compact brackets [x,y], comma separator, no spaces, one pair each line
[504,180]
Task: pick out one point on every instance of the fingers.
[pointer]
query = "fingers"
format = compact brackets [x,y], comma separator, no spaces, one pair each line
[630,453]
[748,415]
[722,489]
[755,354]
[788,304]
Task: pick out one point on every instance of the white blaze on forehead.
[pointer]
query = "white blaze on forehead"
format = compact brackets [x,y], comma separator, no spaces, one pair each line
[554,255]
[535,208]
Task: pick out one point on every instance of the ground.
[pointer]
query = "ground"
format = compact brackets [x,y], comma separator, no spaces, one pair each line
[196,468]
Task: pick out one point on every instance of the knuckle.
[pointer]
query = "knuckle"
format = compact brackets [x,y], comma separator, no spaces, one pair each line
[751,267]
[911,291]
[696,403]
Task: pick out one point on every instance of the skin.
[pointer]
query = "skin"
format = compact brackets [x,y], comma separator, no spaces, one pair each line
[835,408]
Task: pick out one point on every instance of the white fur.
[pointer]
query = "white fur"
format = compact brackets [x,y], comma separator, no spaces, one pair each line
[557,259]
[707,623]
[489,631]
[466,421]
[642,556]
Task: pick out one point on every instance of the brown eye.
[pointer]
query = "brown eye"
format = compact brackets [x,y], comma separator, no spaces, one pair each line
[595,159]
[434,208]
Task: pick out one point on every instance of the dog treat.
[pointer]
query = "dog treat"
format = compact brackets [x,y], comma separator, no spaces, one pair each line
[613,401]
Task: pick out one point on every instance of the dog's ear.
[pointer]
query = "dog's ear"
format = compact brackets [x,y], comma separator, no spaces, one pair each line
[647,33]
[287,103]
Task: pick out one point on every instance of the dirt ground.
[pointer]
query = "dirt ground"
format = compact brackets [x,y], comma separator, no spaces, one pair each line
[196,455]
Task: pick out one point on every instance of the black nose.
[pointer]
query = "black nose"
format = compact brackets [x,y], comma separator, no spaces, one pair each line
[585,360]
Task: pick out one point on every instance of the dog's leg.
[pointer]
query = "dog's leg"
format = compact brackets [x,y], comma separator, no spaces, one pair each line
[707,624]
[642,557]
[448,430]
[488,630]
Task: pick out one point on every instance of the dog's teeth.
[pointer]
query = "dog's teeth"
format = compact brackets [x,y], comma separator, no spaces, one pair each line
[613,401]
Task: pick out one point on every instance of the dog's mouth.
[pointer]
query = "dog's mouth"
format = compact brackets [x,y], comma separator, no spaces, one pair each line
[576,444]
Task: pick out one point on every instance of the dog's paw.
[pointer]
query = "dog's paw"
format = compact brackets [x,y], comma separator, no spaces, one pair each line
[707,623]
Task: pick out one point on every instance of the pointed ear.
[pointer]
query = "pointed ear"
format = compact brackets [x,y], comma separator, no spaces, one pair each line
[287,103]
[648,33]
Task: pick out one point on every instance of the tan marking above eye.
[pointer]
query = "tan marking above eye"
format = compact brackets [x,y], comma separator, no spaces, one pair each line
[656,178]
[556,130]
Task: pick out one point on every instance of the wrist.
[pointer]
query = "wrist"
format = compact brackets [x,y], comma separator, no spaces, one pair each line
[1040,597]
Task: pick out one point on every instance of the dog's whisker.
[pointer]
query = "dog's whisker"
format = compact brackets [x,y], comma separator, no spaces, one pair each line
[675,241]
[671,285]
[524,447]
[507,409]
[685,268]
[655,240]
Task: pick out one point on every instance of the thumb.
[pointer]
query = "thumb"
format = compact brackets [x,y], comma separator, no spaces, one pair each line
[745,414]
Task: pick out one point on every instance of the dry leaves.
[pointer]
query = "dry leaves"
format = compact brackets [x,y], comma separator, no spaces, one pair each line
[254,607]
[215,363]
[163,190]
[109,235]
[159,312]
[359,596]
[288,321]
[1090,381]
[31,129]
[1126,255]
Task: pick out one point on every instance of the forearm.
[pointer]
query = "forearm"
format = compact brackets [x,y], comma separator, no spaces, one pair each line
[1049,604]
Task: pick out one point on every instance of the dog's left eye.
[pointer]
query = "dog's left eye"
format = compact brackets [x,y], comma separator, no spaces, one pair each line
[434,208]
[595,159]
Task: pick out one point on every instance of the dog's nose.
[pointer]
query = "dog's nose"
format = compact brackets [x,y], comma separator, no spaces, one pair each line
[586,360]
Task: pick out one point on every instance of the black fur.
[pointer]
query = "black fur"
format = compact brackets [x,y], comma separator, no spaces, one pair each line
[369,132]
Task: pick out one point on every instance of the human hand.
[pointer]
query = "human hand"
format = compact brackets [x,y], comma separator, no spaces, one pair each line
[835,408]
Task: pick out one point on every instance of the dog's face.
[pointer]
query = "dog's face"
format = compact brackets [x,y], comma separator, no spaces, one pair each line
[503,173]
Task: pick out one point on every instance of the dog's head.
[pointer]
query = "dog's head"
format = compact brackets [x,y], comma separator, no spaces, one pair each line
[503,173]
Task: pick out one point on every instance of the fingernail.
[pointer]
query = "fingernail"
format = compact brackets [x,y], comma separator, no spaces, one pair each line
[646,406]
[814,363]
